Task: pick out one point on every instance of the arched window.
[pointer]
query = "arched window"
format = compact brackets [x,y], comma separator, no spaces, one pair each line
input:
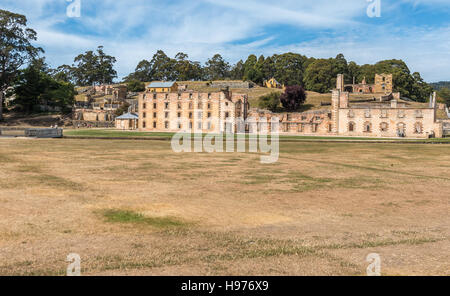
[367,127]
[418,128]
[401,129]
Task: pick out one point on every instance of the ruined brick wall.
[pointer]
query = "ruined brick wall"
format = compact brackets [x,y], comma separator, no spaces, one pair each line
[383,83]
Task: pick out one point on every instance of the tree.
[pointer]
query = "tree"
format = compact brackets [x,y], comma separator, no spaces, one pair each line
[217,68]
[16,49]
[293,97]
[94,68]
[136,86]
[35,86]
[237,72]
[64,73]
[187,70]
[142,72]
[319,76]
[444,93]
[162,67]
[289,68]
[270,101]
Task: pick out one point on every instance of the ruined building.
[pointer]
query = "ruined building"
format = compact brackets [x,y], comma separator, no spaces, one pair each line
[383,84]
[382,116]
[189,110]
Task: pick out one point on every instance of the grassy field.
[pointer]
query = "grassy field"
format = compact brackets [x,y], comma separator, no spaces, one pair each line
[136,208]
[112,133]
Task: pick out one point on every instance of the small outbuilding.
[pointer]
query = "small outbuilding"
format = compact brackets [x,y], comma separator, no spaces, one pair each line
[127,121]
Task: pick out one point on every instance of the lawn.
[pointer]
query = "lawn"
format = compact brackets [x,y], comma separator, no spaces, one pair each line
[112,133]
[137,208]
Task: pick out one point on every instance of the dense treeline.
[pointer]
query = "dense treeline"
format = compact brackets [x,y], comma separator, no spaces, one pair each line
[317,75]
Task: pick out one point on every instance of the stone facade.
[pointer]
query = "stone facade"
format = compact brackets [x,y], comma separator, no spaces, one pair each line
[383,84]
[191,111]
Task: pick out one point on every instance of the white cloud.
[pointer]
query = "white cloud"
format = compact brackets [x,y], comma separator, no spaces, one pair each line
[133,30]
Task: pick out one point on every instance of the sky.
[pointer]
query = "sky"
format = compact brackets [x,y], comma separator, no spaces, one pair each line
[416,31]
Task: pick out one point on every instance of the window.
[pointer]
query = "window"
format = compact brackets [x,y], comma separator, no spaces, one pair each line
[190,106]
[199,125]
[144,115]
[179,106]
[209,96]
[209,105]
[179,125]
[144,106]
[179,114]
[166,105]
[166,96]
[154,114]
[401,129]
[367,114]
[384,114]
[418,128]
[384,126]
[209,114]
[401,114]
[143,124]
[329,115]
[200,105]
[166,115]
[227,114]
[330,128]
[154,124]
[166,125]
[190,115]
[351,126]
[351,114]
[367,127]
[419,114]
[190,96]
[154,96]
[190,125]
[179,96]
[154,105]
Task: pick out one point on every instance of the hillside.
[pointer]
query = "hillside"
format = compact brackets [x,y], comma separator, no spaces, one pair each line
[440,85]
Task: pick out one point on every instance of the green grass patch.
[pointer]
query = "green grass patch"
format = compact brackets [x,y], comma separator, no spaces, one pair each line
[130,217]
[111,133]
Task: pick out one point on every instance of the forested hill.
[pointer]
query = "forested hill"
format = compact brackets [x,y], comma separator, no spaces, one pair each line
[440,85]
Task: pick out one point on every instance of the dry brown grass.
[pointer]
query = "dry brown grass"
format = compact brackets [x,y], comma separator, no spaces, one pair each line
[135,207]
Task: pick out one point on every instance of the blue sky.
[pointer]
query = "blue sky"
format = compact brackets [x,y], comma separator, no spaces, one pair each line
[413,30]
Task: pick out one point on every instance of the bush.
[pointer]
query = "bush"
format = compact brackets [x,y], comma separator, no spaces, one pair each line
[270,101]
[136,86]
[293,97]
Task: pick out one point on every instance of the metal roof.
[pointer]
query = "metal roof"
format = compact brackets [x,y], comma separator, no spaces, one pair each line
[161,84]
[128,116]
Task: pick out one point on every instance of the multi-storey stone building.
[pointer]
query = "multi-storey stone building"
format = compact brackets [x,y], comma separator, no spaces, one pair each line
[385,116]
[191,111]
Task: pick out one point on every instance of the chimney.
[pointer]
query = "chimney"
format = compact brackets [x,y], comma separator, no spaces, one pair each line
[394,104]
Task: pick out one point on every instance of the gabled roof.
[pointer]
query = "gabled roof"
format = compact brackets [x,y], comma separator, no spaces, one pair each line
[161,84]
[128,116]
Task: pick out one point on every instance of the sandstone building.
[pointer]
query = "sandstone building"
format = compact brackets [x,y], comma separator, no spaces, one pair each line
[382,116]
[191,111]
[383,84]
